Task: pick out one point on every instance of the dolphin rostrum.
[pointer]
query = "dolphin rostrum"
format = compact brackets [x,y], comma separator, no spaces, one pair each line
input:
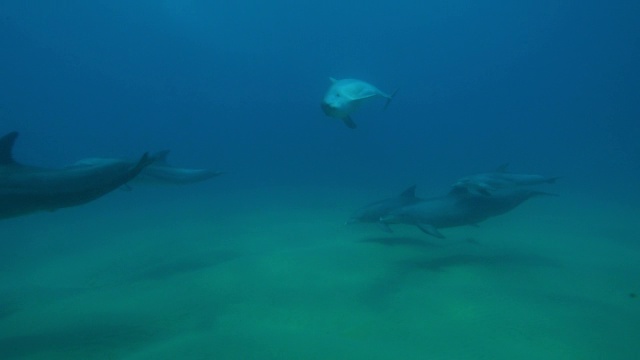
[373,212]
[26,189]
[346,96]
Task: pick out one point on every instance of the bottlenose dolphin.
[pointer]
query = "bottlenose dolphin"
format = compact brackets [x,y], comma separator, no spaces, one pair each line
[373,212]
[160,172]
[346,96]
[458,208]
[27,189]
[487,183]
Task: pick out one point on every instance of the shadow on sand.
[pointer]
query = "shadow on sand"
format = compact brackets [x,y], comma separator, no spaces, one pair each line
[86,339]
[380,293]
[491,260]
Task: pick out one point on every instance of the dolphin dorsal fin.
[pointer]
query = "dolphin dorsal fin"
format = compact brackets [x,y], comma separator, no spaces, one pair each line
[502,168]
[409,192]
[6,148]
[161,157]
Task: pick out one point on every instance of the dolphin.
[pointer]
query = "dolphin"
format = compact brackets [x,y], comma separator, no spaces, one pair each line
[26,189]
[346,96]
[373,212]
[487,183]
[458,208]
[160,171]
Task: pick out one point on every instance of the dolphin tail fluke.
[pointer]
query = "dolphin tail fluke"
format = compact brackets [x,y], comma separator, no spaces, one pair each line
[349,122]
[389,98]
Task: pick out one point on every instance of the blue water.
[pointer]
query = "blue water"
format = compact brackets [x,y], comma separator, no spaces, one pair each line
[550,87]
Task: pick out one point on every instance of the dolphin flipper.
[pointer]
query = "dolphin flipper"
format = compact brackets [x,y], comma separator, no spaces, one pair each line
[430,230]
[349,122]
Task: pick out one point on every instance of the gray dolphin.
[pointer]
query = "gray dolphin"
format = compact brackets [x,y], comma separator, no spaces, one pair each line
[161,172]
[27,189]
[458,208]
[487,183]
[346,96]
[373,212]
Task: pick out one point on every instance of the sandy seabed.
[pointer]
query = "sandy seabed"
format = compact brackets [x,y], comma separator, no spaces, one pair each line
[275,274]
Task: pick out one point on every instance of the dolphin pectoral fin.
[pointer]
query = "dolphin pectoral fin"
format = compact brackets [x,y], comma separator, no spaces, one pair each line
[349,122]
[384,227]
[430,230]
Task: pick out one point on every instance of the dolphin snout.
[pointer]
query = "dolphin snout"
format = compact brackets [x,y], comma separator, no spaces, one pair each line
[327,109]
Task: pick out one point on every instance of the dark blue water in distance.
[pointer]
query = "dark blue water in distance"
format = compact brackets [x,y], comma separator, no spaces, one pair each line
[550,87]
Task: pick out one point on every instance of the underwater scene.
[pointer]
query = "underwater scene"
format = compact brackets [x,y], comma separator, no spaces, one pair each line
[192,179]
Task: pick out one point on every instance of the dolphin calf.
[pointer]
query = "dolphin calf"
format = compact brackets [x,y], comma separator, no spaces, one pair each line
[346,96]
[27,189]
[487,183]
[373,212]
[458,208]
[160,171]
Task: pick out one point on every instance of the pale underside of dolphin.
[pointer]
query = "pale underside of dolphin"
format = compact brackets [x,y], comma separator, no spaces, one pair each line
[347,95]
[26,189]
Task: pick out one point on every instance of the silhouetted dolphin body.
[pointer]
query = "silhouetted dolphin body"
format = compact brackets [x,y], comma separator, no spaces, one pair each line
[458,208]
[27,189]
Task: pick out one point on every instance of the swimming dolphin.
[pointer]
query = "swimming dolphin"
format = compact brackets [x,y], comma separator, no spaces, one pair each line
[27,189]
[373,212]
[160,172]
[457,209]
[487,183]
[346,96]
